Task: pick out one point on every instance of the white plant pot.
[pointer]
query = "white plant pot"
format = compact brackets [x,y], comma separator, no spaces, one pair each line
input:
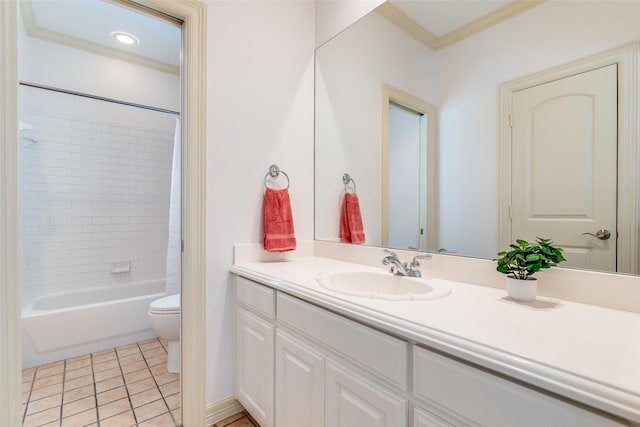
[522,290]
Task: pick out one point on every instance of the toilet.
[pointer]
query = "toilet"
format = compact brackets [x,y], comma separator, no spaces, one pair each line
[164,316]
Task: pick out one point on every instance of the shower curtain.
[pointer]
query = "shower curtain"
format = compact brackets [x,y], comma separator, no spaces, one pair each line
[174,244]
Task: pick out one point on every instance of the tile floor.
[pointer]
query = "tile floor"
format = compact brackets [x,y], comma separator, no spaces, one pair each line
[243,419]
[123,386]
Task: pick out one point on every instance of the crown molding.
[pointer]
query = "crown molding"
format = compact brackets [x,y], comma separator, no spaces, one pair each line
[401,20]
[33,30]
[424,36]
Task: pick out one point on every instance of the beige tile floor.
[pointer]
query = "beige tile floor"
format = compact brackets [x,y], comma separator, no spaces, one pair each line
[123,386]
[243,419]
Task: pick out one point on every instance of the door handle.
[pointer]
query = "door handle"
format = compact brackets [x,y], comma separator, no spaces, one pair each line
[601,234]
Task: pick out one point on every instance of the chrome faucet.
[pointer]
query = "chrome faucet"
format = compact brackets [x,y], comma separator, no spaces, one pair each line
[403,268]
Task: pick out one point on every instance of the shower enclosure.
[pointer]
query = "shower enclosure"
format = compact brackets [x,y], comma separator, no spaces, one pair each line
[94,191]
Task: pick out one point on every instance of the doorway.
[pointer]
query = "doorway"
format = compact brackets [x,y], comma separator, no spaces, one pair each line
[407,191]
[98,134]
[409,171]
[192,385]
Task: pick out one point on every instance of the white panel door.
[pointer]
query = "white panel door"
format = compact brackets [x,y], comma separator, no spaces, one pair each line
[564,166]
[299,383]
[255,366]
[352,401]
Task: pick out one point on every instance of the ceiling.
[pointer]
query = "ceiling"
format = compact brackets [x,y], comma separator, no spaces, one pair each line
[441,17]
[88,25]
[441,23]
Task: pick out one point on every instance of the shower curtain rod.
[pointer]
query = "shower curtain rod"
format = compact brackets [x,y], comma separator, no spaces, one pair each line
[99,98]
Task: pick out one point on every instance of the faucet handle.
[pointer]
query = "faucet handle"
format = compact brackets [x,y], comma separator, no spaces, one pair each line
[387,251]
[415,262]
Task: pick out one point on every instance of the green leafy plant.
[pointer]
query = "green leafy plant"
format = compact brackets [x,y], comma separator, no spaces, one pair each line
[524,259]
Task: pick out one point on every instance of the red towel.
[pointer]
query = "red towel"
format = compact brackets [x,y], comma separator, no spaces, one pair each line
[278,221]
[351,229]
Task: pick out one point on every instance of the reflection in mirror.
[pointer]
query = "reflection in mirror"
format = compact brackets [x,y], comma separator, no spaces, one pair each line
[461,79]
[405,225]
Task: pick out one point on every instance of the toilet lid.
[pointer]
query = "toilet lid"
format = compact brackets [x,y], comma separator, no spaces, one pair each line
[169,303]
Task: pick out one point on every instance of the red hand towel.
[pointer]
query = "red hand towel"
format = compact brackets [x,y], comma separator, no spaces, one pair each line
[351,229]
[278,221]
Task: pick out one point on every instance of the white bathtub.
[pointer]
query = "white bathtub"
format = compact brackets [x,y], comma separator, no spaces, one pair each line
[65,325]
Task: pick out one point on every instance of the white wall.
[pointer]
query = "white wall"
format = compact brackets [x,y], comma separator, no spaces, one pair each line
[350,72]
[260,111]
[468,75]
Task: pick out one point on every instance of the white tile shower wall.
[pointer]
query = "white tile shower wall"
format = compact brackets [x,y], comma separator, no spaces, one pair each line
[91,192]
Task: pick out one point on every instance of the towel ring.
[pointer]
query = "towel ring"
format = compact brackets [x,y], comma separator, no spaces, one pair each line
[346,178]
[274,172]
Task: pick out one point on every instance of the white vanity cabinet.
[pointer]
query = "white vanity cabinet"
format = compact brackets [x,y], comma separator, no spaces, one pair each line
[302,365]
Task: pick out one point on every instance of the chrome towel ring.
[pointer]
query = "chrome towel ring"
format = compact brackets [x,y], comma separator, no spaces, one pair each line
[274,173]
[346,178]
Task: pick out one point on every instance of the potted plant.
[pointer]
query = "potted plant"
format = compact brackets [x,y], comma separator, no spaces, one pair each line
[523,261]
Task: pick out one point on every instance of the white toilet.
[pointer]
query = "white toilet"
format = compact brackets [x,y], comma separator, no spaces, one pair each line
[164,316]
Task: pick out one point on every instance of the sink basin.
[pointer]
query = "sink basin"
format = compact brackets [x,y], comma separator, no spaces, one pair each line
[382,285]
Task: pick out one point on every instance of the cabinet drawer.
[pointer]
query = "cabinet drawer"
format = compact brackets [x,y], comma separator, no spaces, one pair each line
[256,297]
[379,352]
[491,400]
[422,418]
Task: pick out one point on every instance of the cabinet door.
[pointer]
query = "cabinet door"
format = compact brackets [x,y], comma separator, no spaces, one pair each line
[255,370]
[353,401]
[299,383]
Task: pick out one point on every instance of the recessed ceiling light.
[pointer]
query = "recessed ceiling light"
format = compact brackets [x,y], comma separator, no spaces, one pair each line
[125,38]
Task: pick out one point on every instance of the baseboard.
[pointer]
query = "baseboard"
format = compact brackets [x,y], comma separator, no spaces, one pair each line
[223,409]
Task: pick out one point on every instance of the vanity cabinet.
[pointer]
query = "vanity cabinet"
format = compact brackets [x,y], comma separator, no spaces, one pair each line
[302,365]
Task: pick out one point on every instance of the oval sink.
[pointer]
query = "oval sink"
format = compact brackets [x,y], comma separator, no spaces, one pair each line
[382,285]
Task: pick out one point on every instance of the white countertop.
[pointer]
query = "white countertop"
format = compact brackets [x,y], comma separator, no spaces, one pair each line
[583,352]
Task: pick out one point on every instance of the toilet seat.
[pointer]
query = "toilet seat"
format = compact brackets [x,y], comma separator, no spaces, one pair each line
[166,305]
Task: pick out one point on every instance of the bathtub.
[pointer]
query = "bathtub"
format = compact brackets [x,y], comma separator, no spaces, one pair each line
[60,326]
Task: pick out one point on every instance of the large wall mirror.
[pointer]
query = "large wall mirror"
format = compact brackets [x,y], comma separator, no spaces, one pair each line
[446,84]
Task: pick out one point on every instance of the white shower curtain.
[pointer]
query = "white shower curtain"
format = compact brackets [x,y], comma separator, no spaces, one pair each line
[174,245]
